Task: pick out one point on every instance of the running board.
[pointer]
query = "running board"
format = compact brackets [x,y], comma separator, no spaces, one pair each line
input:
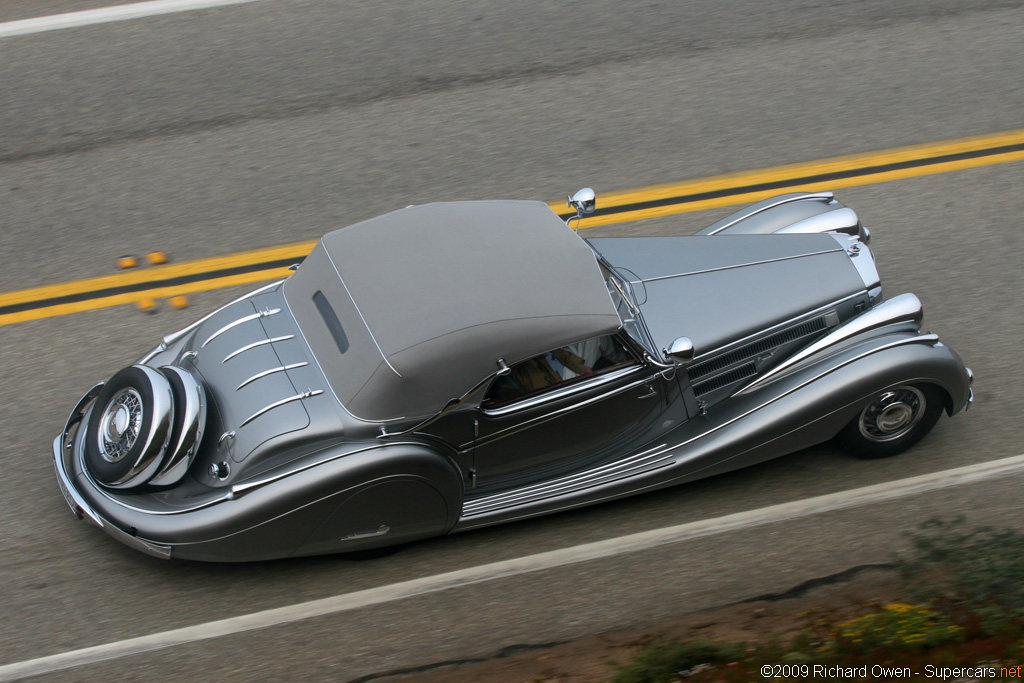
[646,461]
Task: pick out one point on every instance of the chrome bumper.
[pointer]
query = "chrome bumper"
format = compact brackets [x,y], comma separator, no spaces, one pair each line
[970,389]
[82,510]
[78,505]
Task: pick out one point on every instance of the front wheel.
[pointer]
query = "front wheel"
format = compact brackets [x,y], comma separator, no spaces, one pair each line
[893,421]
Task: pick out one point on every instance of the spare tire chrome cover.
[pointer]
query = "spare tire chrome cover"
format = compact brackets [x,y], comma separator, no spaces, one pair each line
[187,429]
[129,428]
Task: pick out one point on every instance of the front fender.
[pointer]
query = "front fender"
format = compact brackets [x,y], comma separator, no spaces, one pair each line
[811,404]
[857,371]
[796,212]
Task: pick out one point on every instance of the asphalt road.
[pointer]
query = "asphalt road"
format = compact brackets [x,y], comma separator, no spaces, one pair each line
[241,127]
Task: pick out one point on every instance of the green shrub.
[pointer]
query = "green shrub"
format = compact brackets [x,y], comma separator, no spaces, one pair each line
[981,570]
[970,608]
[896,626]
[664,662]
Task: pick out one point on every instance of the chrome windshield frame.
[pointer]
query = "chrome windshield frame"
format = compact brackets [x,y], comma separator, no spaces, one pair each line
[634,327]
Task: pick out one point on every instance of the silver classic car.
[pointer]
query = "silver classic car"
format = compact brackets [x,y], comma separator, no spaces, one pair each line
[456,365]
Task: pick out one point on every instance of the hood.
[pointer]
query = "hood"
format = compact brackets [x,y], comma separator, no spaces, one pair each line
[719,289]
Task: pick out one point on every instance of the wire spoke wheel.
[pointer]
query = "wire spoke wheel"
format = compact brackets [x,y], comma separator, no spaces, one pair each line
[120,424]
[129,428]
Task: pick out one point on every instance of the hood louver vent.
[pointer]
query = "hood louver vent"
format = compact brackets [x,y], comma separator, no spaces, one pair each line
[786,336]
[725,379]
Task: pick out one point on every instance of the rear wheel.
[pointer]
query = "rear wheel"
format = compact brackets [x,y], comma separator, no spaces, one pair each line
[893,421]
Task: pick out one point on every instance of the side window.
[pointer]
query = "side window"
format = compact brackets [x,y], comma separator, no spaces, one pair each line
[558,367]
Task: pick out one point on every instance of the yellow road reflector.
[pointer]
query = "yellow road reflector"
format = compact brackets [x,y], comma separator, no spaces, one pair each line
[147,305]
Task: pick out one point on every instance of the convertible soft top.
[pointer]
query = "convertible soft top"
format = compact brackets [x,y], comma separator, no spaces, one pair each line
[409,310]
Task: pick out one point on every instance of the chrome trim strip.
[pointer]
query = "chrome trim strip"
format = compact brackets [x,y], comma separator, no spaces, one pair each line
[316,361]
[365,324]
[255,344]
[862,258]
[275,404]
[243,488]
[648,465]
[828,196]
[738,265]
[149,547]
[175,336]
[803,317]
[73,498]
[381,530]
[79,410]
[271,371]
[840,220]
[560,411]
[244,319]
[899,309]
[319,367]
[645,461]
[60,446]
[560,393]
[159,348]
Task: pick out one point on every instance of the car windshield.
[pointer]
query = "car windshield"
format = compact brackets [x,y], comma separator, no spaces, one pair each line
[629,313]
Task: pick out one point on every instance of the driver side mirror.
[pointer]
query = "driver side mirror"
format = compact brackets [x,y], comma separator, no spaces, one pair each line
[680,351]
[584,201]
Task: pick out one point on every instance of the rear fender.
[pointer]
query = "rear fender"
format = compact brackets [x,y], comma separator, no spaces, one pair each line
[409,487]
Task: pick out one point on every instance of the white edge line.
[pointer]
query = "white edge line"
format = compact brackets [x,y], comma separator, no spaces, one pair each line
[104,15]
[522,565]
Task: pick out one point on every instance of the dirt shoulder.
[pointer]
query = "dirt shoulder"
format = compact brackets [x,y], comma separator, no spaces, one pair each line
[593,659]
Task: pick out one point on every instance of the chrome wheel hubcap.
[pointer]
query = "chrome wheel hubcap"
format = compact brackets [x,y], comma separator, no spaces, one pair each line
[893,414]
[120,425]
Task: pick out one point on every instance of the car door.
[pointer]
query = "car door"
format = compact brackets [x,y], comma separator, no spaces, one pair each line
[571,425]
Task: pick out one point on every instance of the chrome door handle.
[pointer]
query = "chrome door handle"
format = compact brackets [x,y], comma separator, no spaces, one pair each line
[651,393]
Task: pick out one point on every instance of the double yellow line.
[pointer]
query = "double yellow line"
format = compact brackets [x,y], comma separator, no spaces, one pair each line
[160,282]
[826,174]
[630,205]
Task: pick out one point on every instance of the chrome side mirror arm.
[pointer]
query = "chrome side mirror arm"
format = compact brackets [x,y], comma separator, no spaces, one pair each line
[585,203]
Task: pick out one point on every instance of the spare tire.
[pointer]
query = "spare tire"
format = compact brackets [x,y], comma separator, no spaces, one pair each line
[187,430]
[129,428]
